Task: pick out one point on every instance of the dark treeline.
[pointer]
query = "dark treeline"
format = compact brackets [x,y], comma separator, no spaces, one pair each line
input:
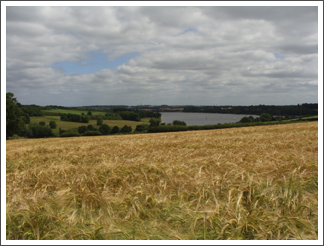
[31,110]
[117,113]
[76,118]
[291,110]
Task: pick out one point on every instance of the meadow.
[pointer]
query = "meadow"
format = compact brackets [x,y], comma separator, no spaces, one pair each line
[73,126]
[249,183]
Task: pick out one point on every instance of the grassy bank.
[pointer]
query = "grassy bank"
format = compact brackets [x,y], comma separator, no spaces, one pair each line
[239,183]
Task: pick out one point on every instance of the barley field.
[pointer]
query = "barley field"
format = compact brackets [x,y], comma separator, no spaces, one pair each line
[252,183]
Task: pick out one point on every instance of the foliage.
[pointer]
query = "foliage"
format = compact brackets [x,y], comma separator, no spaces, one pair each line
[75,118]
[148,114]
[128,115]
[26,118]
[120,109]
[69,134]
[52,124]
[89,113]
[126,129]
[179,123]
[114,130]
[142,127]
[246,119]
[104,129]
[39,131]
[264,117]
[85,119]
[14,121]
[31,110]
[99,121]
[91,128]
[107,116]
[42,123]
[175,128]
[92,133]
[155,122]
[82,129]
[291,110]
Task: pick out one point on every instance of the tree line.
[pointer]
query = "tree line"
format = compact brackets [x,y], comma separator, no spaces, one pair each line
[18,116]
[290,110]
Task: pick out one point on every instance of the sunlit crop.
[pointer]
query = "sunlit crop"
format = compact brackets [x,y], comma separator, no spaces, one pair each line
[239,183]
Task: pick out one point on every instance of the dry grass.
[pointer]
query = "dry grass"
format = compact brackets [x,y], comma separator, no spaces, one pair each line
[244,183]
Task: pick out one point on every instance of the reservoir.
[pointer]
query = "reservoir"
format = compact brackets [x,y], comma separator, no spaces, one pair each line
[201,119]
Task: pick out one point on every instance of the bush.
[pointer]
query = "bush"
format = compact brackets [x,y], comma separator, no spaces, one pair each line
[264,117]
[91,128]
[112,116]
[85,119]
[26,119]
[126,129]
[52,124]
[92,133]
[39,131]
[99,121]
[142,127]
[128,115]
[155,122]
[114,130]
[104,129]
[82,129]
[61,131]
[42,123]
[179,123]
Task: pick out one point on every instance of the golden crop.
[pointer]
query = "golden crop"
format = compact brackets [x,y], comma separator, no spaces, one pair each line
[239,183]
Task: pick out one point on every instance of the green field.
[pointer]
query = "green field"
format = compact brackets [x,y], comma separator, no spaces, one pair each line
[68,111]
[67,125]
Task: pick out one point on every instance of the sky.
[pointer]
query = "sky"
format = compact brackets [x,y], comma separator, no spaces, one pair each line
[175,55]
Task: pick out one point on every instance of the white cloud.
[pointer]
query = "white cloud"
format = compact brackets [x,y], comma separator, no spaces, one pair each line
[187,55]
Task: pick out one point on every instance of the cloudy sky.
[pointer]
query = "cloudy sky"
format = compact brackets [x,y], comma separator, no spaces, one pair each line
[131,55]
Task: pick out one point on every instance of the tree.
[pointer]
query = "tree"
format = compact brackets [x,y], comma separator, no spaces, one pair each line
[155,122]
[82,129]
[126,129]
[39,131]
[85,119]
[52,124]
[114,130]
[179,123]
[91,128]
[89,113]
[104,129]
[247,119]
[99,121]
[64,117]
[14,122]
[42,123]
[265,117]
[142,127]
[26,118]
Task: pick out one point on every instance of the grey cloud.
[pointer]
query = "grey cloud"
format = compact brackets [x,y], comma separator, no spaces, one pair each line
[229,50]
